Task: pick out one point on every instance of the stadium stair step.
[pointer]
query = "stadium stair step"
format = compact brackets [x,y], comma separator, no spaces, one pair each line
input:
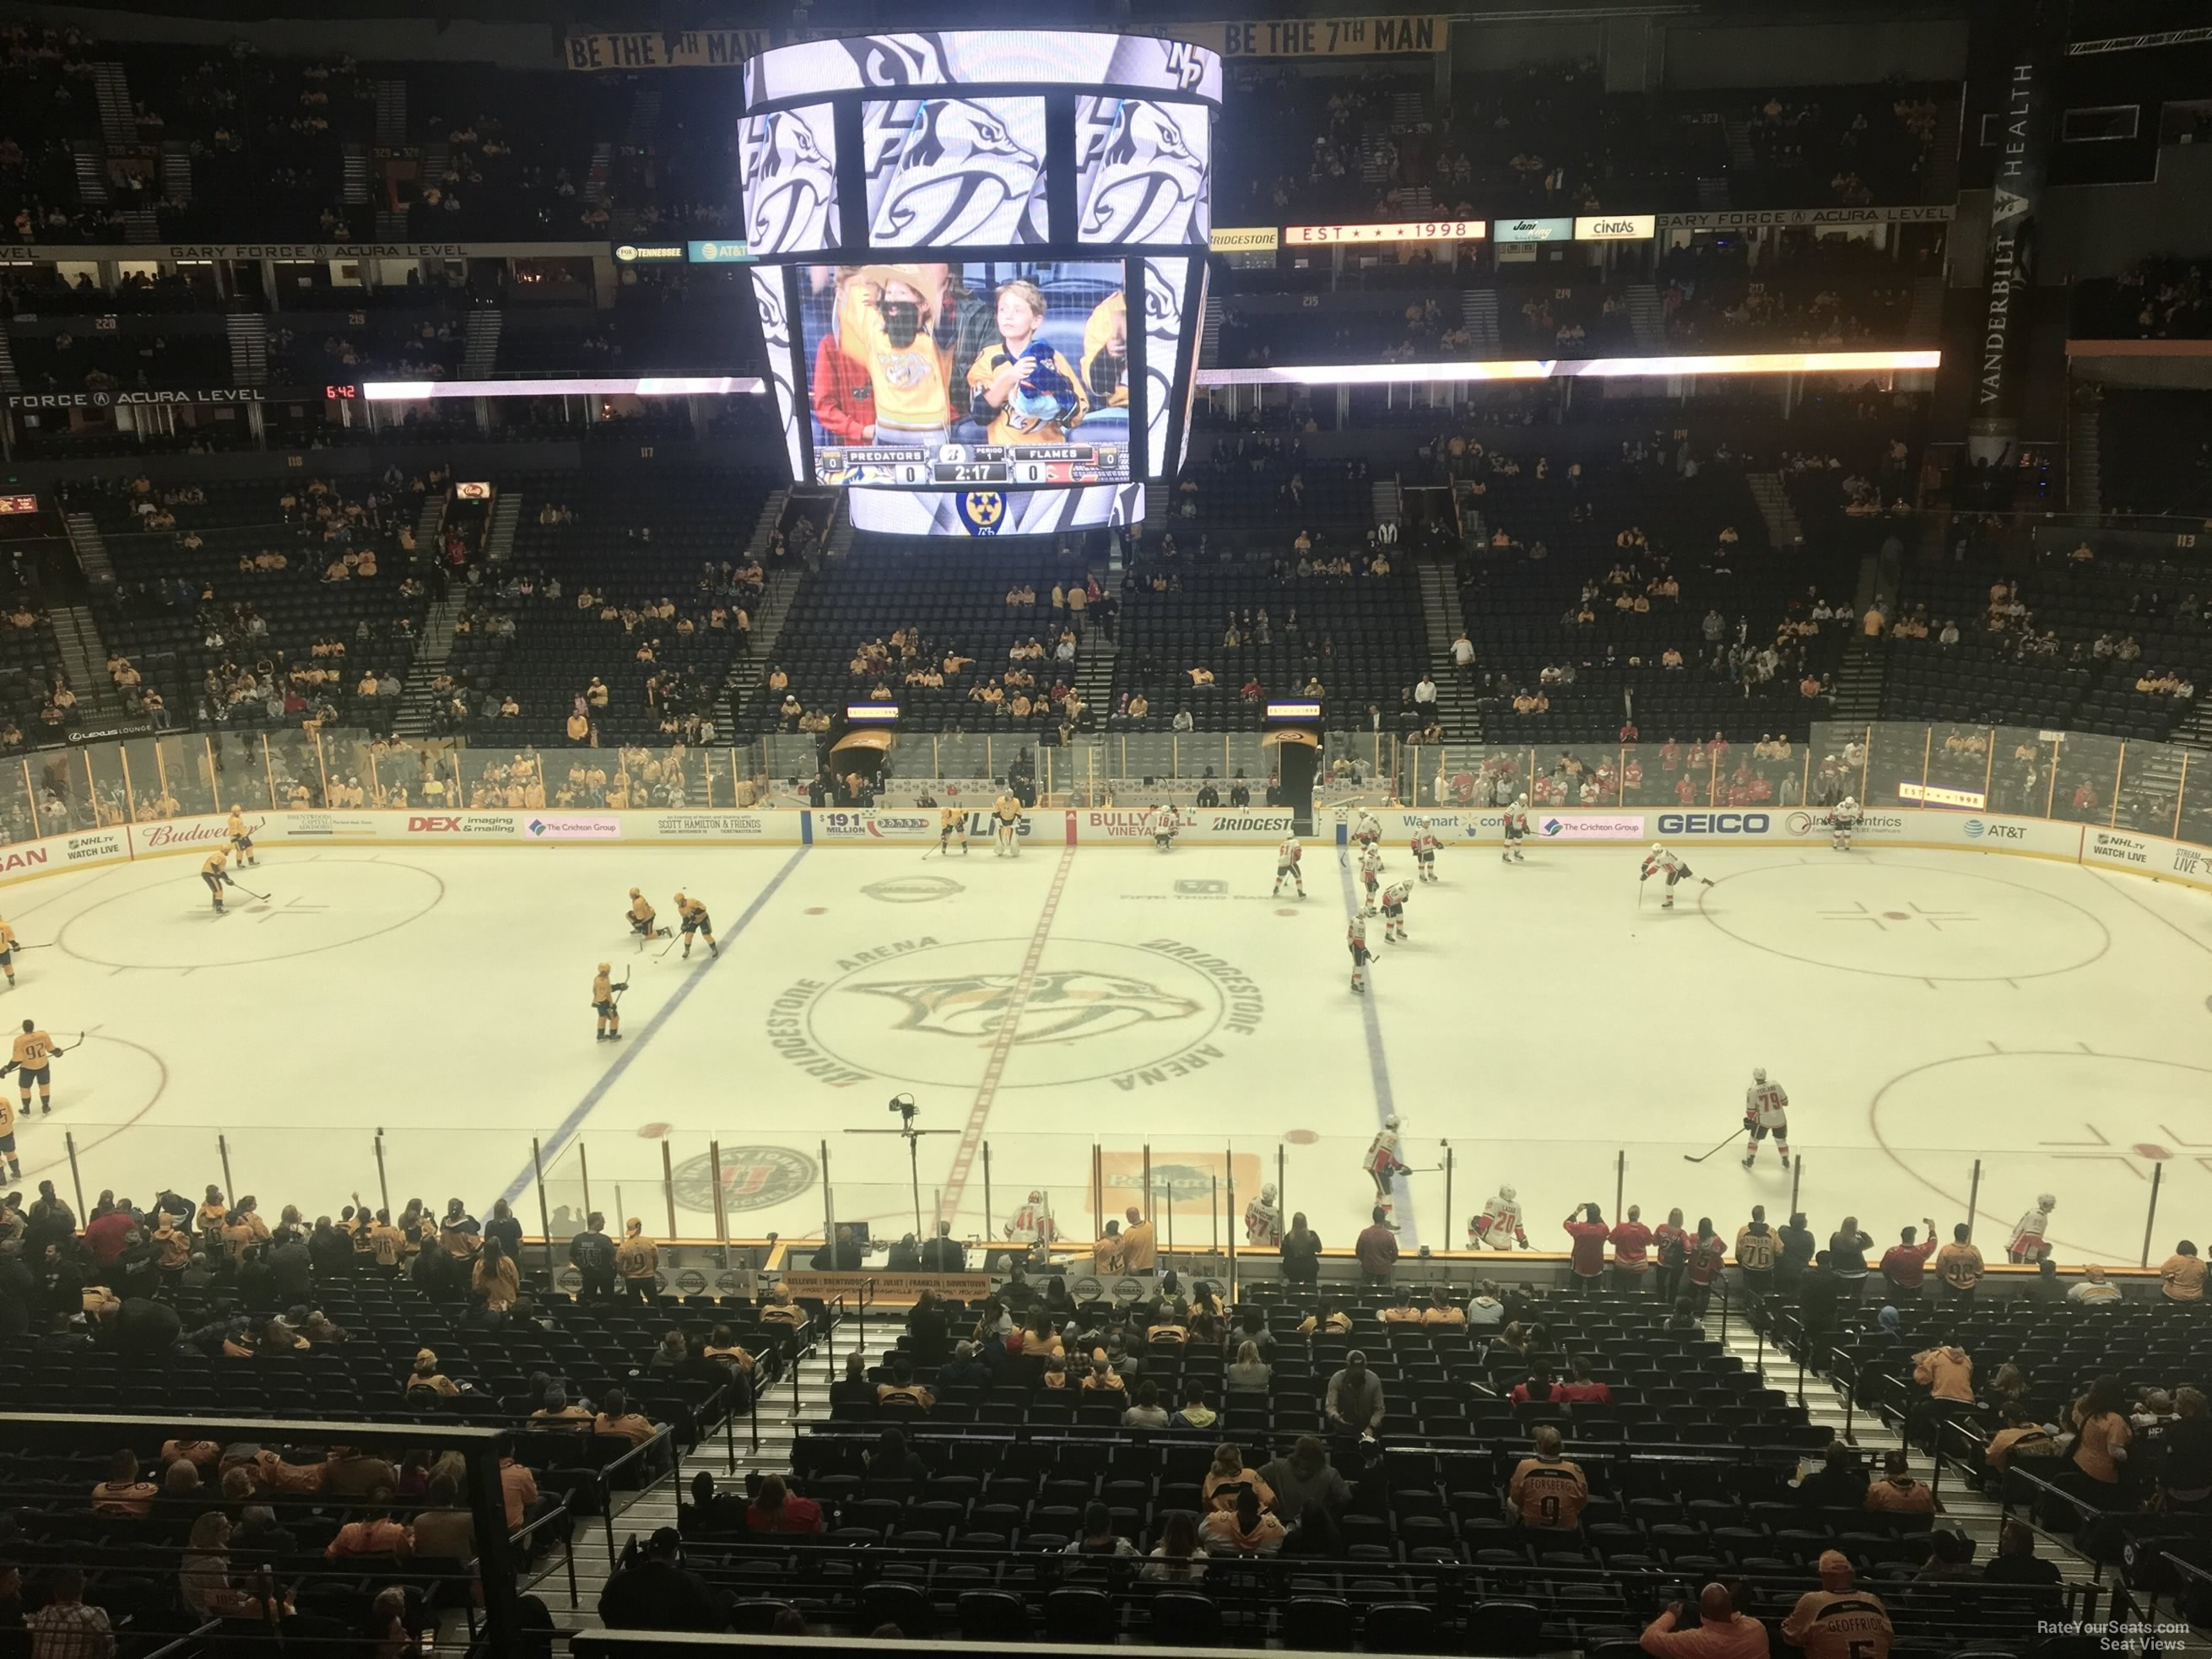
[1440,614]
[85,541]
[248,332]
[1859,681]
[9,380]
[1923,324]
[2085,474]
[802,1398]
[1782,529]
[91,175]
[1959,1506]
[741,706]
[1647,317]
[84,662]
[1743,159]
[119,121]
[499,535]
[353,189]
[177,172]
[600,171]
[413,719]
[391,114]
[480,343]
[1478,314]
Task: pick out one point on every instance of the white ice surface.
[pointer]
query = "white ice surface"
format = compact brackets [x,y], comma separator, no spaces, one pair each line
[1924,1009]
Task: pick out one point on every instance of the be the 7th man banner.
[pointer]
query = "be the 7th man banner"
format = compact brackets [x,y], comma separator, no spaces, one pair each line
[628,52]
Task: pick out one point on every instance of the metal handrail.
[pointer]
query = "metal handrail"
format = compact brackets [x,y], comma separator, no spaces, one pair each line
[606,1472]
[170,1649]
[521,1535]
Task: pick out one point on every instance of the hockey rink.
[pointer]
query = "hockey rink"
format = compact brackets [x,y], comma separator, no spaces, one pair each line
[1924,1009]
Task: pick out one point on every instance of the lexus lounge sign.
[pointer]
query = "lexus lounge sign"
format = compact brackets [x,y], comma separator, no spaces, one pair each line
[1617,228]
[225,394]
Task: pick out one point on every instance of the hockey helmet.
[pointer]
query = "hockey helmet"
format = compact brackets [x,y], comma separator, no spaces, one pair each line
[1507,1194]
[679,895]
[1520,799]
[634,893]
[1268,1192]
[1758,1074]
[1037,1198]
[2046,1201]
[1391,1122]
[606,966]
[1658,847]
[1848,801]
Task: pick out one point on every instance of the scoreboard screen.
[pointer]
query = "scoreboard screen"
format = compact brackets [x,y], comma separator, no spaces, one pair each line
[1013,372]
[982,268]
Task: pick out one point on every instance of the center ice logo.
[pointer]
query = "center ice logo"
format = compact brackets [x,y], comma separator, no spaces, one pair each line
[1060,1005]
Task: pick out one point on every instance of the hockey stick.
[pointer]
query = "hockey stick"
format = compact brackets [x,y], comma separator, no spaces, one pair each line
[665,949]
[251,894]
[1699,1158]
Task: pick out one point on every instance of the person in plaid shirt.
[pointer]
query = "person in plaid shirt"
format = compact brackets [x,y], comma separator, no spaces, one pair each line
[65,1628]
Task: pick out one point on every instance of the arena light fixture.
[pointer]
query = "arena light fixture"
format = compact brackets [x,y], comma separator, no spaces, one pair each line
[651,386]
[1586,368]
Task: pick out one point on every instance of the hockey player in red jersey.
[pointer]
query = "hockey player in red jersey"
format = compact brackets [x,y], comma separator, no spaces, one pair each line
[1394,912]
[1660,861]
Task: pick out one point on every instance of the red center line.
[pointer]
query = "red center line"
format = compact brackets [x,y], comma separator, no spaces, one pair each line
[971,1137]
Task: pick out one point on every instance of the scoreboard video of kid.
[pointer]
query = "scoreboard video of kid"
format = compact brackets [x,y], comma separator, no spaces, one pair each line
[982,269]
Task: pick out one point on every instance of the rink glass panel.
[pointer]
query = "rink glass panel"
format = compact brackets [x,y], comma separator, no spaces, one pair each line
[1197,1189]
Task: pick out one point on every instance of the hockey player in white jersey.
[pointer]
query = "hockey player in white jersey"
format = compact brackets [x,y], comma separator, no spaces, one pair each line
[1033,1222]
[1371,875]
[1163,822]
[1394,912]
[1286,865]
[1425,845]
[1842,818]
[1497,1225]
[2031,1233]
[1660,861]
[1366,829]
[1355,941]
[1263,1220]
[1516,831]
[1385,1163]
[1765,1112]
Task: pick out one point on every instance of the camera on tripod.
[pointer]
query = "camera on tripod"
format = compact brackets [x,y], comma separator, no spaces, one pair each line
[904,1106]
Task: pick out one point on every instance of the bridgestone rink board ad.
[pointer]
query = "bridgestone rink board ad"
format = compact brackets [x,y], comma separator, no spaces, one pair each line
[1596,831]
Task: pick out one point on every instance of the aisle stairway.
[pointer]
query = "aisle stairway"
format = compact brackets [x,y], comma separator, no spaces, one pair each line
[802,1397]
[1440,614]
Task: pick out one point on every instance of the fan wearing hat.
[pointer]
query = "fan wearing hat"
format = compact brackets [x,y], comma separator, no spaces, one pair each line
[887,317]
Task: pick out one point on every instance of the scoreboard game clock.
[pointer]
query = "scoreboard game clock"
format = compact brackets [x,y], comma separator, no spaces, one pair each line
[980,269]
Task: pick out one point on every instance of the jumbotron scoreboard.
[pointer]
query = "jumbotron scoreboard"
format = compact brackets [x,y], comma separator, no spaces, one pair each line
[981,268]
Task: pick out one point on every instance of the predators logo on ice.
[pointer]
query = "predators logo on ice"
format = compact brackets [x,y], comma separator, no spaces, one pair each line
[961,177]
[1060,1005]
